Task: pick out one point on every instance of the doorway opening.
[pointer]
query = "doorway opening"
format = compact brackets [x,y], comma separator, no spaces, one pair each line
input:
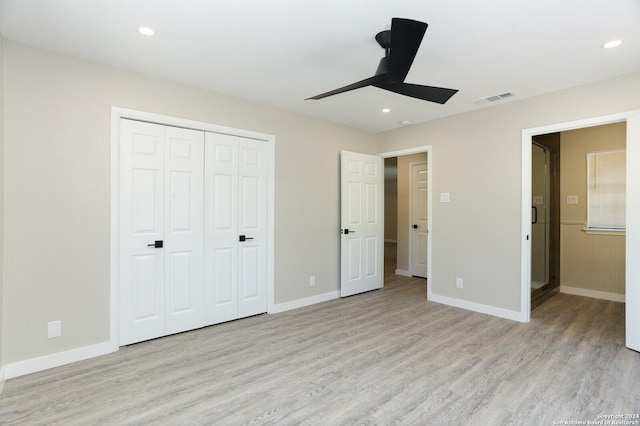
[582,235]
[407,211]
[631,294]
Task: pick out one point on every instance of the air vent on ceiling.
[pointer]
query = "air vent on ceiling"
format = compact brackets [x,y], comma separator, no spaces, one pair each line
[493,98]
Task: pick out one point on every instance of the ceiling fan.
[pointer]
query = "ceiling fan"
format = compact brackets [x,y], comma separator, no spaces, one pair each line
[400,44]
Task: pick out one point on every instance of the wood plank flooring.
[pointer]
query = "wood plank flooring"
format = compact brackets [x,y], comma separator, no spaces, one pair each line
[383,357]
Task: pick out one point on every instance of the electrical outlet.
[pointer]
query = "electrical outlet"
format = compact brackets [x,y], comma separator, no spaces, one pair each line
[54,329]
[312,280]
[459,283]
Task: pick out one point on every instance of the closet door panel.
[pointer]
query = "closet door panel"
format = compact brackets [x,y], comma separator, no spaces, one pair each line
[221,227]
[252,175]
[142,222]
[184,239]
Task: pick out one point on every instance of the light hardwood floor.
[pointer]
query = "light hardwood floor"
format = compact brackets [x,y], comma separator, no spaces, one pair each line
[383,357]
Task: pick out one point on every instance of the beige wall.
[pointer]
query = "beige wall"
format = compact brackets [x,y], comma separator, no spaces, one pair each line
[404,180]
[56,192]
[57,147]
[390,199]
[477,158]
[590,262]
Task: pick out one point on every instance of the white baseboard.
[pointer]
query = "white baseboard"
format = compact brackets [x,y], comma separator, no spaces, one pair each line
[614,297]
[301,303]
[34,365]
[391,241]
[478,307]
[403,272]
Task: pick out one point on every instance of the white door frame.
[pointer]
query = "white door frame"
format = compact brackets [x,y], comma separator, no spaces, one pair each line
[116,115]
[419,150]
[632,269]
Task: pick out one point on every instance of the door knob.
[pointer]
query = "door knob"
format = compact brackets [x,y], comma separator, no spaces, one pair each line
[156,244]
[242,238]
[415,226]
[347,231]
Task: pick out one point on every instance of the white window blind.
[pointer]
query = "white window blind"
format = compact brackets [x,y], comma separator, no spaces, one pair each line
[606,189]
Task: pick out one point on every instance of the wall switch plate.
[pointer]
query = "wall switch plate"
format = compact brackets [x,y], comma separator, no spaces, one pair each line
[445,197]
[54,329]
[572,199]
[312,280]
[459,283]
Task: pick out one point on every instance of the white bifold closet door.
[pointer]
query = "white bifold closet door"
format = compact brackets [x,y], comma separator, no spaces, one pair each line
[161,230]
[193,229]
[235,226]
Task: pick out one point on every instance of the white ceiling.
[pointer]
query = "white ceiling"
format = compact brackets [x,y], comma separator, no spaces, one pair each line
[279,52]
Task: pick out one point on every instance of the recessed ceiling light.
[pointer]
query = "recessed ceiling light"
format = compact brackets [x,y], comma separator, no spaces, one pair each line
[386,110]
[611,44]
[146,31]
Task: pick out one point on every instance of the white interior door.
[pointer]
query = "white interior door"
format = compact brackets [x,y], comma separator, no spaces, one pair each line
[632,275]
[236,227]
[161,215]
[362,223]
[419,219]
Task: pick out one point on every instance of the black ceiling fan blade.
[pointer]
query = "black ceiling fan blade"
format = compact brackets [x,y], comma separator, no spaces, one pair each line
[363,83]
[438,95]
[406,36]
[401,44]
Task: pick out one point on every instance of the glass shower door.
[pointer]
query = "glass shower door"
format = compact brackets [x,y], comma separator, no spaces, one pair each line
[540,189]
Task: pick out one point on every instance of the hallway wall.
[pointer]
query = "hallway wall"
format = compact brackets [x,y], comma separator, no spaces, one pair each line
[391,199]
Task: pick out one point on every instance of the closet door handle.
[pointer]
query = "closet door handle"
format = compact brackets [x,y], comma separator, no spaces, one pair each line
[242,238]
[535,215]
[156,244]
